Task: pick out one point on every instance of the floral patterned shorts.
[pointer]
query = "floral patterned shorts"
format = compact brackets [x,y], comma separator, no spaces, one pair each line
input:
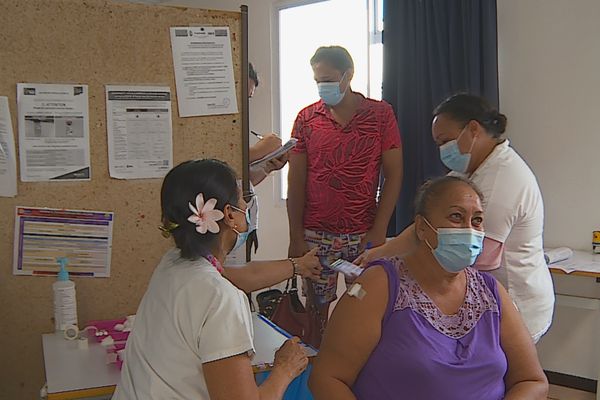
[332,247]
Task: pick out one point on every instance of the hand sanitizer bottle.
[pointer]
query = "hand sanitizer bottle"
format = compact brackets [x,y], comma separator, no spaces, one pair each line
[65,304]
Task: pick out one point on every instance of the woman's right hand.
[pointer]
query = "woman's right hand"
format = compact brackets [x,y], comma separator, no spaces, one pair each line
[264,146]
[309,265]
[291,358]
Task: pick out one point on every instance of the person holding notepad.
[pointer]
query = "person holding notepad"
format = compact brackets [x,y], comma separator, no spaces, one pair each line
[344,141]
[267,144]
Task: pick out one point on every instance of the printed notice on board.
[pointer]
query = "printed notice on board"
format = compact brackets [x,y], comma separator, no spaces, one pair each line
[203,71]
[8,162]
[54,139]
[44,234]
[139,131]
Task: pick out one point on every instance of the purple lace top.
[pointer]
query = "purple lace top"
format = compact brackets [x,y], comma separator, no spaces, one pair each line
[424,354]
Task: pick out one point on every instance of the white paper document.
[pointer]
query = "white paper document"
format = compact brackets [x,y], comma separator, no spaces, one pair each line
[290,144]
[8,162]
[579,261]
[203,70]
[54,138]
[268,338]
[44,234]
[556,255]
[140,143]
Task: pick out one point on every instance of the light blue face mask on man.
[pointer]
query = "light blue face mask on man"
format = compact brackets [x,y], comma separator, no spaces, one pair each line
[330,92]
[241,236]
[457,248]
[453,158]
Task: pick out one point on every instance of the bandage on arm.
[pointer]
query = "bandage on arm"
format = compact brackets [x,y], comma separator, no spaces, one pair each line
[491,256]
[357,291]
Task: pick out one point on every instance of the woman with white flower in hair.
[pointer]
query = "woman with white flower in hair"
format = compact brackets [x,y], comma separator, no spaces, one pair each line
[193,330]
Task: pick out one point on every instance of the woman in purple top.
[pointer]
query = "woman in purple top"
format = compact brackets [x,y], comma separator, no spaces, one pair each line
[429,326]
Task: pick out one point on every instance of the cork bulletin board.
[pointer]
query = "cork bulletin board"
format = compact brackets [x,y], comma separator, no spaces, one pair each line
[96,43]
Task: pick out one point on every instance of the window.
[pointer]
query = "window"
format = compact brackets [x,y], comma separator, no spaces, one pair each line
[375,48]
[302,27]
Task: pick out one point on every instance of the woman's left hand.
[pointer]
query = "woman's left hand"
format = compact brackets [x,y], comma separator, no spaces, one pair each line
[309,265]
[291,358]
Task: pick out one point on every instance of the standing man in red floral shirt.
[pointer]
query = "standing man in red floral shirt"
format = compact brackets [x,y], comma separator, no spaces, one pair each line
[344,140]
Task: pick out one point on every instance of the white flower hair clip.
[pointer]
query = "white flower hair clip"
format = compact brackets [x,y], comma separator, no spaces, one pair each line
[204,215]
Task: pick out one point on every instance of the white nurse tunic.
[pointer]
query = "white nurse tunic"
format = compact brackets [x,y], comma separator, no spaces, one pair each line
[514,216]
[189,316]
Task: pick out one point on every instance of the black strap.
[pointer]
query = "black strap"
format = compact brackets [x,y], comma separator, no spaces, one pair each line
[252,306]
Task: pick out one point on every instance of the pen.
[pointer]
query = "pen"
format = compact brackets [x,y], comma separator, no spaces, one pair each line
[256,134]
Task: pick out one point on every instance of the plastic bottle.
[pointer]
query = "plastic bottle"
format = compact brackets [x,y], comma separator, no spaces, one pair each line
[65,303]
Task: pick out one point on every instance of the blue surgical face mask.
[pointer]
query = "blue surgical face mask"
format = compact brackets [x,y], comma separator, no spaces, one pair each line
[241,236]
[453,158]
[330,92]
[457,248]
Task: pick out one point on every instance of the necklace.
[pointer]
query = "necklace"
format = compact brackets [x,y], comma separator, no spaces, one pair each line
[215,263]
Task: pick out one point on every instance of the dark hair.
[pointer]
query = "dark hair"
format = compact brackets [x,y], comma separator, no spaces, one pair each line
[252,74]
[214,179]
[336,56]
[464,107]
[436,188]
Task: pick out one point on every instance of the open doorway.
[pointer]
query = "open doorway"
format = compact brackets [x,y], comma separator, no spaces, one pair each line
[301,27]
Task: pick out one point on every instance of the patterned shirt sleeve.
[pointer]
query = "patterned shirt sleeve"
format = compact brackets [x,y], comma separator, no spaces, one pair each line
[299,132]
[390,134]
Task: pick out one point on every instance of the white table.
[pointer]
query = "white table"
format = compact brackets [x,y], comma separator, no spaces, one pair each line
[73,373]
[584,264]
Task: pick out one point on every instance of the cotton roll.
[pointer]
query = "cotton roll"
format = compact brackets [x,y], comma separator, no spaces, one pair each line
[71,332]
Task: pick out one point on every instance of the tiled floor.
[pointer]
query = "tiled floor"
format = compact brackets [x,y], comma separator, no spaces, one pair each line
[563,393]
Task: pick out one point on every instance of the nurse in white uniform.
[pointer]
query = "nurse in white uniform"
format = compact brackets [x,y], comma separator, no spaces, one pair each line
[469,133]
[193,335]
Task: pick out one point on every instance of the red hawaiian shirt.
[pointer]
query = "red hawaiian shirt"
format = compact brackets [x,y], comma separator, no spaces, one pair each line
[343,164]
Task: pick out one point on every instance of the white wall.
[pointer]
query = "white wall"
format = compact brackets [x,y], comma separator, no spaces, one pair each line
[549,64]
[549,72]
